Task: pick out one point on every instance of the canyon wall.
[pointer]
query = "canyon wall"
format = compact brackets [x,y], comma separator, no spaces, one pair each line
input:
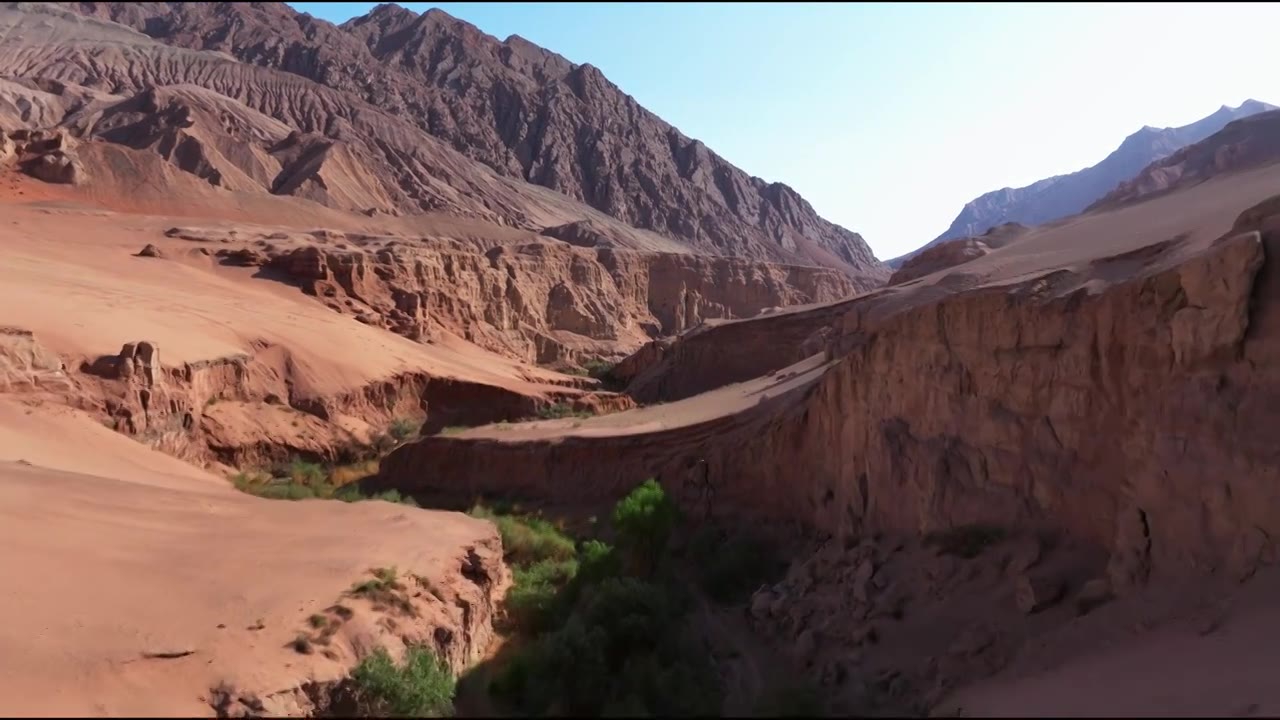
[538,301]
[1138,418]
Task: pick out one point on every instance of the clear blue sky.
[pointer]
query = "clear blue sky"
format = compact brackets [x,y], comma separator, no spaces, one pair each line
[890,117]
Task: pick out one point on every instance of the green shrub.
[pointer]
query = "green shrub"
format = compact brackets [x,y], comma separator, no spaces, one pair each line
[559,411]
[285,491]
[421,687]
[604,641]
[597,368]
[644,520]
[306,473]
[533,598]
[526,539]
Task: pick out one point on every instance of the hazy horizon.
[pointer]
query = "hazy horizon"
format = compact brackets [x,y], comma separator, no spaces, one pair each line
[889,117]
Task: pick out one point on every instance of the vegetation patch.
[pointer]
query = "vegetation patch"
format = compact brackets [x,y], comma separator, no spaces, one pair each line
[598,368]
[422,686]
[385,591]
[603,628]
[301,480]
[560,411]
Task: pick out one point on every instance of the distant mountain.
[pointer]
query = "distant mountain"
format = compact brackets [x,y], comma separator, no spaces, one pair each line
[527,113]
[1241,145]
[1064,195]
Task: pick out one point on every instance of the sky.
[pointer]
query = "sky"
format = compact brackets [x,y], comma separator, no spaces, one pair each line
[889,117]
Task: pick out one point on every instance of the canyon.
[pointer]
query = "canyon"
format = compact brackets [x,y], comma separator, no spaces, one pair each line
[236,237]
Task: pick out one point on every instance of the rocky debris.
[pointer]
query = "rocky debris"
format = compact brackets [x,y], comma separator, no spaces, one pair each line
[1035,592]
[971,641]
[1024,554]
[1095,593]
[806,646]
[56,167]
[46,154]
[582,233]
[242,257]
[862,579]
[1131,551]
[150,251]
[1252,550]
[28,366]
[762,602]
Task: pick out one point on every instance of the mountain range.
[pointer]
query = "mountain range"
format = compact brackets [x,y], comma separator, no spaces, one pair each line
[1064,195]
[523,112]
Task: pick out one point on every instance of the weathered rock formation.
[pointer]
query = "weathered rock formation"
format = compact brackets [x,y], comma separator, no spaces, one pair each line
[45,154]
[541,301]
[939,257]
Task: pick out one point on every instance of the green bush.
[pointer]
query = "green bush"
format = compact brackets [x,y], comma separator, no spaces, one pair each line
[605,639]
[422,687]
[623,646]
[644,520]
[526,539]
[532,599]
[293,489]
[560,411]
[306,473]
[597,368]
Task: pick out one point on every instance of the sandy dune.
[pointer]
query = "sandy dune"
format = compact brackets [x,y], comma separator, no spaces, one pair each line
[115,552]
[1216,663]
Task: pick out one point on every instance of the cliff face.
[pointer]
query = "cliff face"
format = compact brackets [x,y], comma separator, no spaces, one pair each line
[539,301]
[1064,195]
[524,112]
[1175,368]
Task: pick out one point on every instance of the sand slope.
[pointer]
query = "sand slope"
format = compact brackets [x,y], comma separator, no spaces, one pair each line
[114,552]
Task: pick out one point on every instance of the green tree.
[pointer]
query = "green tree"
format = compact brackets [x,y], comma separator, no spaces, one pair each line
[644,520]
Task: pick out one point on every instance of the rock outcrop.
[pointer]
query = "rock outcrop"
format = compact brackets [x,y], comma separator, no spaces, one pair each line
[939,257]
[541,301]
[45,154]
